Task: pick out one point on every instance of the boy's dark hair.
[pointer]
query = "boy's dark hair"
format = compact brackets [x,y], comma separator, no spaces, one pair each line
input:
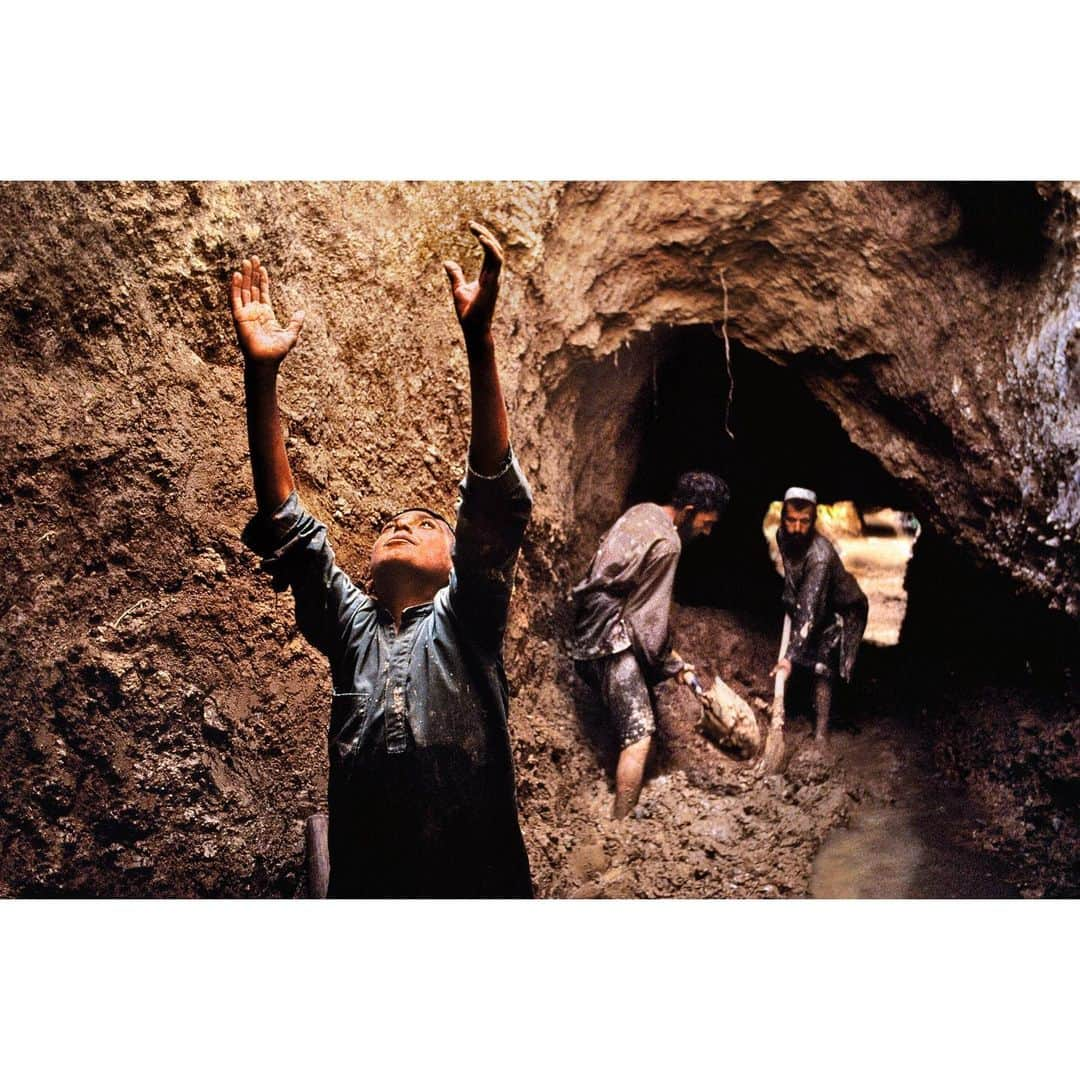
[703,491]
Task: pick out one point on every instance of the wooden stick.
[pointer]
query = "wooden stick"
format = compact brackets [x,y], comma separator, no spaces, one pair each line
[778,716]
[316,843]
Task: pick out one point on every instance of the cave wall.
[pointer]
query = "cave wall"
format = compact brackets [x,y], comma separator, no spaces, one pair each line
[163,731]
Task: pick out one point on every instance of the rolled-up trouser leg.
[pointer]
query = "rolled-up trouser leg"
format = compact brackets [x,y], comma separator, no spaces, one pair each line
[626,695]
[630,708]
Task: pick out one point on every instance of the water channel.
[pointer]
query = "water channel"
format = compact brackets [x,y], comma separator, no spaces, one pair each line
[913,842]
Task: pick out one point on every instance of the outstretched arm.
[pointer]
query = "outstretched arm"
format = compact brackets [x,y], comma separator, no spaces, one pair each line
[495,498]
[264,344]
[293,545]
[474,302]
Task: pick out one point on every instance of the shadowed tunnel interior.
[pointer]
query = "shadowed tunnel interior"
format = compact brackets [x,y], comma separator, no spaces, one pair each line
[664,405]
[779,436]
[1003,223]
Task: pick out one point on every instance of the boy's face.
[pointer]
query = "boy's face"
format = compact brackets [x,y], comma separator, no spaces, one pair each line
[416,544]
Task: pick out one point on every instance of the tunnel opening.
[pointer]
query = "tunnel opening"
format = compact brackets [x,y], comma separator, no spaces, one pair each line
[1003,223]
[665,404]
[762,431]
[661,407]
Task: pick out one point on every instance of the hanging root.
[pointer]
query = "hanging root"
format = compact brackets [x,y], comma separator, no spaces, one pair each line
[727,358]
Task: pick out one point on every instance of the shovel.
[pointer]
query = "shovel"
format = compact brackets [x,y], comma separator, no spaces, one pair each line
[773,757]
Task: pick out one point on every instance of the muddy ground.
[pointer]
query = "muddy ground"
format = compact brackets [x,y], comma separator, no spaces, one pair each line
[706,825]
[710,826]
[920,824]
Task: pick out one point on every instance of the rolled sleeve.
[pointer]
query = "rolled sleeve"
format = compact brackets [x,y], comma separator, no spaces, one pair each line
[492,515]
[282,538]
[296,554]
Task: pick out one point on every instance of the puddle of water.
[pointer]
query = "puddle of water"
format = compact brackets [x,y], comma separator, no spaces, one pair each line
[911,847]
[906,850]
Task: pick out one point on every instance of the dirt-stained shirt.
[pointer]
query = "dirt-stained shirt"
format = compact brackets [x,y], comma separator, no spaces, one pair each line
[421,793]
[827,607]
[624,600]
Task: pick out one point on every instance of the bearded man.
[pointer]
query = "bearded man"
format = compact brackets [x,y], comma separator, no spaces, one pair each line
[622,641]
[824,607]
[421,794]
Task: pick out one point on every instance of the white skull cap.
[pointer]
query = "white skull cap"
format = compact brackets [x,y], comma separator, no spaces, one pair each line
[801,493]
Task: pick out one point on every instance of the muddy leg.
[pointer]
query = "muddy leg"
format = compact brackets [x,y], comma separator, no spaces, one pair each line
[822,706]
[629,776]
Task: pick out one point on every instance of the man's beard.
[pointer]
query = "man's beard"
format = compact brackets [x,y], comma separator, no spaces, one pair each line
[794,547]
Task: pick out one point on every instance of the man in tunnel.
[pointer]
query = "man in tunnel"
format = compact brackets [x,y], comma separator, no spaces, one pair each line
[421,793]
[622,643]
[824,609]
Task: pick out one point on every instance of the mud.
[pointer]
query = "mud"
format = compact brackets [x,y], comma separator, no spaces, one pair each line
[878,812]
[706,825]
[913,838]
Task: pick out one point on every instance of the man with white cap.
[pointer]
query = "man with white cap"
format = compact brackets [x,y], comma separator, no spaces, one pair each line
[824,604]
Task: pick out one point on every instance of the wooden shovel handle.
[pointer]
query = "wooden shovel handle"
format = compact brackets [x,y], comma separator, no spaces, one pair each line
[781,675]
[317,851]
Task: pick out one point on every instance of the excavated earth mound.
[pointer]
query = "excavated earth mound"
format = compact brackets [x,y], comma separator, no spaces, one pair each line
[915,346]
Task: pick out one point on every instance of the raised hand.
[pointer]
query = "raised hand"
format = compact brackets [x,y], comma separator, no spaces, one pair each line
[474,301]
[262,339]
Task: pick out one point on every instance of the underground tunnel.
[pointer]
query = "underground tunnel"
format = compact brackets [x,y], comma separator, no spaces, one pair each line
[676,400]
[760,429]
[753,422]
[666,404]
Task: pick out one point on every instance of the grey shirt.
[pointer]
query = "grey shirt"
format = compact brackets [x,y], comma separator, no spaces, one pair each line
[624,600]
[421,792]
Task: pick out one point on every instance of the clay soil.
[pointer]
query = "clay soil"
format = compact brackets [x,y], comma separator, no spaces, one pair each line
[706,825]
